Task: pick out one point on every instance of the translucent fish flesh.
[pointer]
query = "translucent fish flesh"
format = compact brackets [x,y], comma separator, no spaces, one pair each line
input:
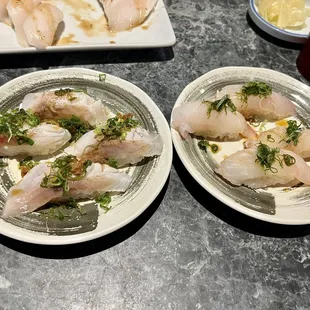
[64,104]
[28,195]
[47,139]
[139,143]
[192,118]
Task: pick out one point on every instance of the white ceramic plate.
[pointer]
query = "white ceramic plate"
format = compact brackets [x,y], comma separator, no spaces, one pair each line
[278,205]
[85,27]
[148,178]
[294,36]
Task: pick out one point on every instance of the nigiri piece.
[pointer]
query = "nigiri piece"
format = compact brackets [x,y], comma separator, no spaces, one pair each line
[126,14]
[41,24]
[248,167]
[257,100]
[64,103]
[29,194]
[46,139]
[201,119]
[139,143]
[18,12]
[4,17]
[291,137]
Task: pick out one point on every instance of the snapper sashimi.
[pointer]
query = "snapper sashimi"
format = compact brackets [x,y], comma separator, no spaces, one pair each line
[121,140]
[41,24]
[218,119]
[64,103]
[126,14]
[258,100]
[263,166]
[63,179]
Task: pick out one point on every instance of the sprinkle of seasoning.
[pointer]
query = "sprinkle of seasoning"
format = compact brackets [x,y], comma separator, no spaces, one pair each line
[259,89]
[267,156]
[104,200]
[293,132]
[219,105]
[102,77]
[65,169]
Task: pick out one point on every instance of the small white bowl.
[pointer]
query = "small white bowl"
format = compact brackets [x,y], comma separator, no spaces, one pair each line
[294,36]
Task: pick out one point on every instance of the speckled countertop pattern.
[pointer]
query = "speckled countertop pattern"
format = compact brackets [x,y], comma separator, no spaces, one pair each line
[187,251]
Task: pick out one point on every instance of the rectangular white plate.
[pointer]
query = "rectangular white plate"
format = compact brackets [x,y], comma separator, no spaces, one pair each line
[85,27]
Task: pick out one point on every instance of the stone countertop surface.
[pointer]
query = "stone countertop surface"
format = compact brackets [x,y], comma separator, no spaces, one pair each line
[187,251]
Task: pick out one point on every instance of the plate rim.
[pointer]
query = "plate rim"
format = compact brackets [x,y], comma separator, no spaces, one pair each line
[168,41]
[43,239]
[212,190]
[272,30]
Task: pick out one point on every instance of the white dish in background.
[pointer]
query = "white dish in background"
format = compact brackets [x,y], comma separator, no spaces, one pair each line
[274,204]
[148,178]
[289,35]
[85,28]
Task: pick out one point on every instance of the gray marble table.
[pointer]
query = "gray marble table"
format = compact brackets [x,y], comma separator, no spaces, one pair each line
[187,251]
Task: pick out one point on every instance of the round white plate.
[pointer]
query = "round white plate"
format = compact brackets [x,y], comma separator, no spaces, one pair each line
[289,35]
[278,205]
[148,178]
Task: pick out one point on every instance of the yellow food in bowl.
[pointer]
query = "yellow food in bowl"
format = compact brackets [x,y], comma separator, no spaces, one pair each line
[284,13]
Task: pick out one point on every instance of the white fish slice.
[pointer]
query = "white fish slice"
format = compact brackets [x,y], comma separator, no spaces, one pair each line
[192,118]
[139,143]
[28,195]
[241,168]
[126,14]
[47,139]
[41,24]
[18,12]
[56,105]
[274,107]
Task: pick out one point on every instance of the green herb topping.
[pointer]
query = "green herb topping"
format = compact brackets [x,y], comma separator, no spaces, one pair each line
[65,169]
[219,105]
[68,92]
[117,127]
[3,164]
[203,145]
[60,211]
[102,77]
[75,126]
[104,200]
[14,123]
[259,89]
[293,132]
[27,164]
[112,162]
[267,156]
[270,138]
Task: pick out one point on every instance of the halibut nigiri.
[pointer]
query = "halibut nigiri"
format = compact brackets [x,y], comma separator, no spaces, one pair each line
[41,24]
[292,137]
[217,119]
[18,12]
[264,166]
[126,14]
[64,103]
[22,133]
[121,140]
[258,100]
[51,181]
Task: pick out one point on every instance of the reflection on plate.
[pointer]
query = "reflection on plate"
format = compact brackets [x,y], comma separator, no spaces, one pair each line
[277,204]
[148,178]
[85,28]
[289,35]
